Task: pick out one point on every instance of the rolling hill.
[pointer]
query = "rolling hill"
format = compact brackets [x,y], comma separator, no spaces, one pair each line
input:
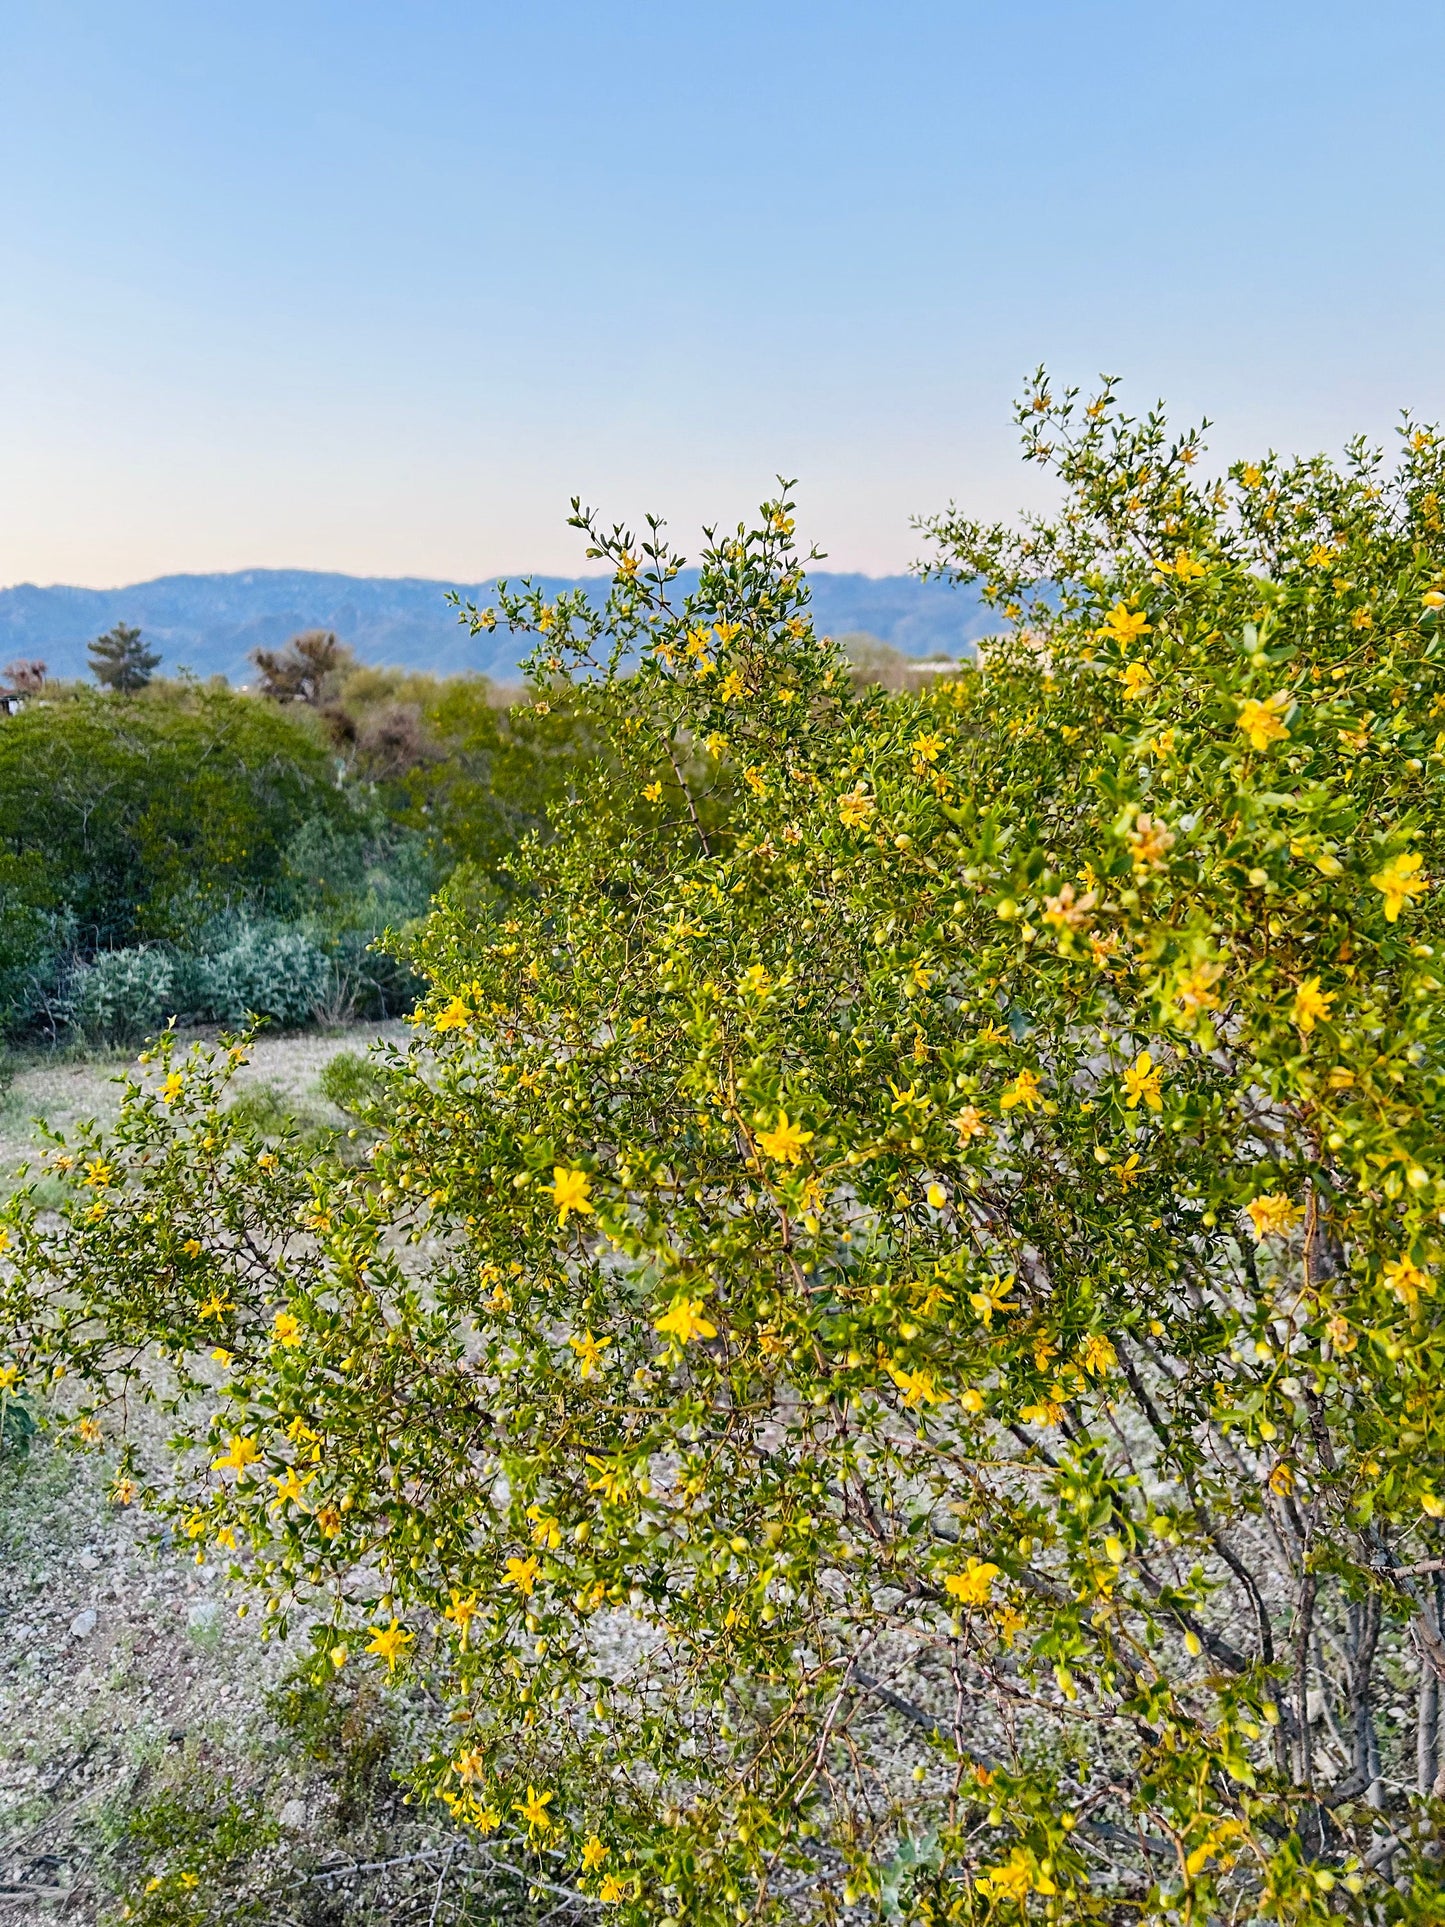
[210,623]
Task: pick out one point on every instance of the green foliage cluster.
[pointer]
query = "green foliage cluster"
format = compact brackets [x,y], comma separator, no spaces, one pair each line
[195,851]
[887,1360]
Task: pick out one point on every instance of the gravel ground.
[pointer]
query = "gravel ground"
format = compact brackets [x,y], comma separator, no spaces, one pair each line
[124,1669]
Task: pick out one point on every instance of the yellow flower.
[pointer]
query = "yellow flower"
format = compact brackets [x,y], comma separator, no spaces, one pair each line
[522,1573]
[287,1328]
[1252,476]
[652,792]
[1024,1090]
[594,1852]
[1097,1355]
[1272,1214]
[571,1191]
[974,1585]
[172,1087]
[612,1480]
[243,1452]
[389,1643]
[470,1766]
[124,1491]
[1320,557]
[192,1247]
[918,1388]
[289,1487]
[1010,1623]
[1138,679]
[1195,990]
[1407,1280]
[928,748]
[937,1196]
[328,1521]
[4,1239]
[993,1298]
[1128,1172]
[461,1611]
[1311,1004]
[785,1141]
[854,809]
[684,1321]
[755,981]
[1016,1878]
[1123,625]
[731,686]
[1260,721]
[611,1891]
[456,1016]
[970,1123]
[1150,841]
[9,1377]
[1399,882]
[534,1810]
[1068,910]
[1142,1081]
[589,1352]
[216,1306]
[98,1172]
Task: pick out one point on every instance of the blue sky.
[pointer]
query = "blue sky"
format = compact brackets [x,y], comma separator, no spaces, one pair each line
[377,287]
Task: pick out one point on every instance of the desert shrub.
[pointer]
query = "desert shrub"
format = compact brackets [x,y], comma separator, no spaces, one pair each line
[888,1355]
[267,971]
[196,1852]
[122,994]
[144,813]
[350,1082]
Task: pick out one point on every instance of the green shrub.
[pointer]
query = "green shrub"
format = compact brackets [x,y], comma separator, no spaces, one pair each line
[123,994]
[889,1361]
[351,1083]
[270,972]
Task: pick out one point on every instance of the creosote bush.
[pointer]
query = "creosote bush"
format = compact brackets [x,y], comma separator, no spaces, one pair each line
[886,1363]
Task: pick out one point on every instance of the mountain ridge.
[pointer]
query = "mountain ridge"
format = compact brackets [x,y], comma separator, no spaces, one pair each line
[210,623]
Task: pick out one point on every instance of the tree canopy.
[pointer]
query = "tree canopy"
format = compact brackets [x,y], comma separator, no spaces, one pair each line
[886,1363]
[120,660]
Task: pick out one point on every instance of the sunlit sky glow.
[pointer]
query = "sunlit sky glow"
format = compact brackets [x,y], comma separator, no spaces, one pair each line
[377,287]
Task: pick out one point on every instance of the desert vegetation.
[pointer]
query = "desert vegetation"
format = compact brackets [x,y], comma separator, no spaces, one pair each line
[876,1352]
[177,849]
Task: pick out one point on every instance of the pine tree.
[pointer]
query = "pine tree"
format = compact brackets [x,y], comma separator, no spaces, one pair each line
[120,660]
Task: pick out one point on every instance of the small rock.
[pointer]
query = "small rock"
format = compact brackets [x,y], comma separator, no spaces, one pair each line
[83,1624]
[293,1816]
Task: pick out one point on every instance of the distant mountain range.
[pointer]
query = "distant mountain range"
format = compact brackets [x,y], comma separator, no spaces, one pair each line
[210,623]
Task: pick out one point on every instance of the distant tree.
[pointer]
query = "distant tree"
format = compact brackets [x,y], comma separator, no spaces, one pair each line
[308,670]
[119,659]
[21,679]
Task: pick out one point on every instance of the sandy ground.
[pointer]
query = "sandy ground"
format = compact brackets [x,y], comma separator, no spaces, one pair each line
[64,1092]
